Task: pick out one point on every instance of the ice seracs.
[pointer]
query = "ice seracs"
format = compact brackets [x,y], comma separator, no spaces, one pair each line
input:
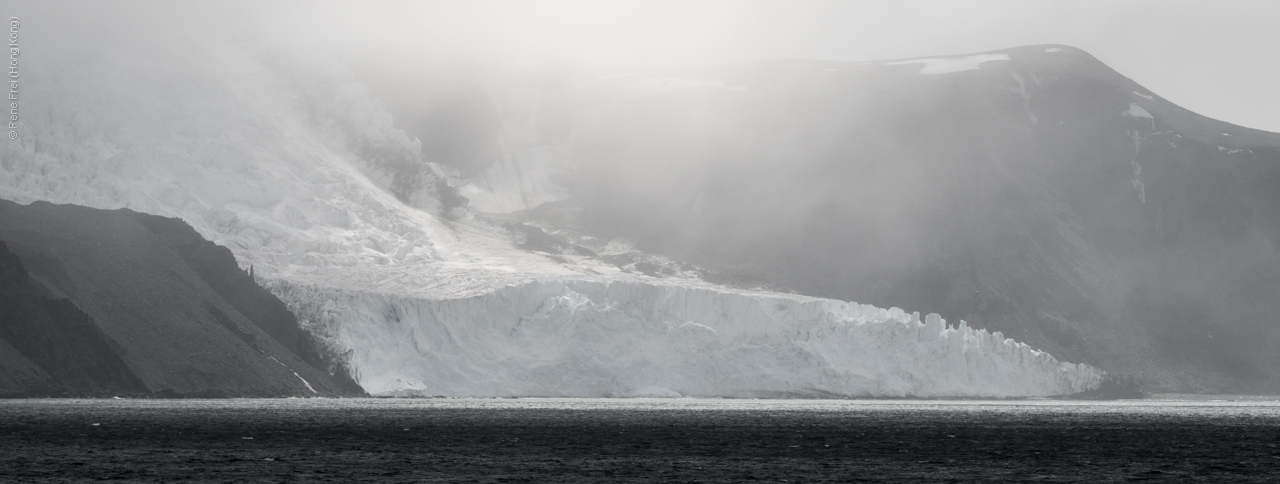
[576,337]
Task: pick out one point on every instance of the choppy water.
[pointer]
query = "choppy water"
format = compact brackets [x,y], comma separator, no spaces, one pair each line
[1174,438]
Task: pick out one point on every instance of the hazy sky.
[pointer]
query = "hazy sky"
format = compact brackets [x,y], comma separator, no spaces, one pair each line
[1214,57]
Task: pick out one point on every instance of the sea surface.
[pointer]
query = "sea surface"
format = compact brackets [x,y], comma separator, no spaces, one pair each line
[1172,438]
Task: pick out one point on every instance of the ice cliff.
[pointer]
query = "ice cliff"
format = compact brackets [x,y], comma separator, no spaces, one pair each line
[600,338]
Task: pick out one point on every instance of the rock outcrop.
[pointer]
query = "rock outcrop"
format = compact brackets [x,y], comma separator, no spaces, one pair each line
[116,302]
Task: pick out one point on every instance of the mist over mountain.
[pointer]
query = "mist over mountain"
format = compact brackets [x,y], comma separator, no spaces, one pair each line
[1033,191]
[1044,195]
[438,226]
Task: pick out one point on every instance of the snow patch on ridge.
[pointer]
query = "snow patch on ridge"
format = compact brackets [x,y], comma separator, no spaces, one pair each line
[599,338]
[1138,186]
[946,65]
[1136,111]
[304,381]
[1026,97]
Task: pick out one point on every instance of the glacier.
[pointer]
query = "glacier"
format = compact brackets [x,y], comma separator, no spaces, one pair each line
[634,337]
[289,162]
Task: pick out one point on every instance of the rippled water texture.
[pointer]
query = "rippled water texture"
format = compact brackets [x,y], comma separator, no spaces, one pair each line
[588,440]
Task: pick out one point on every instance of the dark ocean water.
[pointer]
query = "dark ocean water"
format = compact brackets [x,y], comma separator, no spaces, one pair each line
[653,440]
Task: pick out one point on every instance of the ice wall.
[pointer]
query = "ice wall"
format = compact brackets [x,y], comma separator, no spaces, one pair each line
[595,338]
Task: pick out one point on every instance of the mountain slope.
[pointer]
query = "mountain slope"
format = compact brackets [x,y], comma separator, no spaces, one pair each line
[48,346]
[1034,191]
[118,301]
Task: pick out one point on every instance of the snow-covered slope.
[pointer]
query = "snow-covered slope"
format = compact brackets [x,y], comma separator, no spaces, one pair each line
[295,168]
[286,161]
[629,337]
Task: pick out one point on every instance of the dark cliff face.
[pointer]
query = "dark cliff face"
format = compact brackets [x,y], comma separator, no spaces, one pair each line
[128,303]
[216,266]
[49,346]
[1044,195]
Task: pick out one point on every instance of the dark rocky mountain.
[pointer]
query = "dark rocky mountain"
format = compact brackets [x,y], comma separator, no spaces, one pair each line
[49,346]
[116,302]
[1037,192]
